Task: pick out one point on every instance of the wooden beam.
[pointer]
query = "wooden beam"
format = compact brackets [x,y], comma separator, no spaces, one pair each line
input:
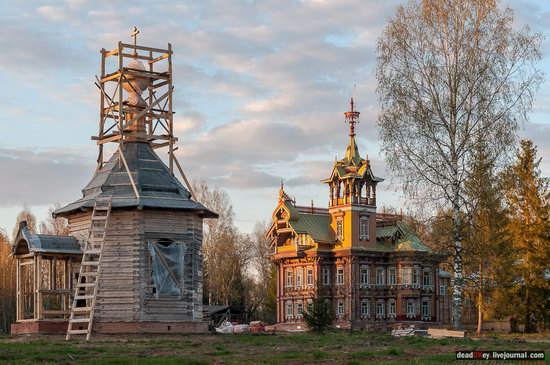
[129,173]
[143,48]
[146,110]
[159,58]
[184,177]
[114,52]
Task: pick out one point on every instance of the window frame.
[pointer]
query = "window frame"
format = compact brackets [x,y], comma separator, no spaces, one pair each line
[364,229]
[340,275]
[365,274]
[380,305]
[365,304]
[289,279]
[383,276]
[442,290]
[326,276]
[299,274]
[390,276]
[340,309]
[309,276]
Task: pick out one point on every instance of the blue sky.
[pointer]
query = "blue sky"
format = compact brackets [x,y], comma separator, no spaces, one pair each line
[261,87]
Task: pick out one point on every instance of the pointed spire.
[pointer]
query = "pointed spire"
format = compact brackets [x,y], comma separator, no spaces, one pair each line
[352,117]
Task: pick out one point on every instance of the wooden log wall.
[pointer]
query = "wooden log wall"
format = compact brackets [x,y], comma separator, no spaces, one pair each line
[125,292]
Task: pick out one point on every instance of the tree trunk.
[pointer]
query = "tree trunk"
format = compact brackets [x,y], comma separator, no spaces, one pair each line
[457,283]
[480,302]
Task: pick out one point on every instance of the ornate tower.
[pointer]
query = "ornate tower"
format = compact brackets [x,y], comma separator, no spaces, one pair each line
[352,194]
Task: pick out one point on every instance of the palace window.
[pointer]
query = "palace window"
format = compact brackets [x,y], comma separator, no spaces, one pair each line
[427,279]
[309,305]
[339,229]
[380,279]
[364,228]
[299,276]
[365,273]
[425,309]
[380,309]
[391,309]
[410,308]
[391,277]
[289,309]
[326,276]
[299,309]
[289,278]
[442,290]
[340,276]
[309,277]
[340,308]
[416,279]
[406,279]
[365,308]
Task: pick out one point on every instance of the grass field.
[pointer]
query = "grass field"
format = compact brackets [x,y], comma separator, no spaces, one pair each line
[302,348]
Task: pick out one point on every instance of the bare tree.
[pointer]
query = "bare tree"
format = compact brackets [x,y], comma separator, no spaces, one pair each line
[55,226]
[25,215]
[7,284]
[451,73]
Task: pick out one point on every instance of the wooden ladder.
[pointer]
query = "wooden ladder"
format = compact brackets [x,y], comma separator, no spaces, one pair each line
[82,310]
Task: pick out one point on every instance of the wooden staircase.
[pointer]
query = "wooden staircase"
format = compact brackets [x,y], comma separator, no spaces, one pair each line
[82,310]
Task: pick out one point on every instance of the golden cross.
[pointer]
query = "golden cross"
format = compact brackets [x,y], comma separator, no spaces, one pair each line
[134,34]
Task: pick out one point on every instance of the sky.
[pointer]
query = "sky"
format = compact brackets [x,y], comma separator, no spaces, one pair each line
[260,91]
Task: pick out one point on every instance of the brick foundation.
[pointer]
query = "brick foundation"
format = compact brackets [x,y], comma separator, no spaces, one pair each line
[47,327]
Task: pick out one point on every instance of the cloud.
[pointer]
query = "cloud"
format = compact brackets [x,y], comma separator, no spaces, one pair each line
[42,177]
[51,13]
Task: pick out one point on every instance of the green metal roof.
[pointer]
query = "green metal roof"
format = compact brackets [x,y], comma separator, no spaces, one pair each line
[315,225]
[407,239]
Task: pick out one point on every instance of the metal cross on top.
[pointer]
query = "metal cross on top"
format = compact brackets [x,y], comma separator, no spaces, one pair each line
[134,34]
[352,117]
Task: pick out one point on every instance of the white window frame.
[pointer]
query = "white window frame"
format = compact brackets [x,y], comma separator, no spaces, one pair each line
[339,276]
[425,309]
[326,276]
[382,271]
[340,310]
[442,290]
[365,308]
[406,275]
[309,276]
[299,309]
[411,310]
[392,308]
[289,278]
[380,310]
[364,228]
[339,229]
[299,277]
[415,279]
[426,274]
[365,275]
[289,310]
[392,276]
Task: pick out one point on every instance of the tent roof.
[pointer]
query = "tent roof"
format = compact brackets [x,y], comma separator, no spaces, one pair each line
[157,187]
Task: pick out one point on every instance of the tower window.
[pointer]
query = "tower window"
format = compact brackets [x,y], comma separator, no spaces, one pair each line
[340,276]
[340,229]
[442,290]
[364,228]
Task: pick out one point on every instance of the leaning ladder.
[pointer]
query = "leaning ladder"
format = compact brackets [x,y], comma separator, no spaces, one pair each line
[82,310]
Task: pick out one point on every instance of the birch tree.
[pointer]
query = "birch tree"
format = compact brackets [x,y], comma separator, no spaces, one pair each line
[451,73]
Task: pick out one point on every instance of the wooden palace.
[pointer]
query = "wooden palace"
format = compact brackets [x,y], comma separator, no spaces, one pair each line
[371,267]
[132,261]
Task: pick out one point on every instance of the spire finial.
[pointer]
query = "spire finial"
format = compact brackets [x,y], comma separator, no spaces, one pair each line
[352,117]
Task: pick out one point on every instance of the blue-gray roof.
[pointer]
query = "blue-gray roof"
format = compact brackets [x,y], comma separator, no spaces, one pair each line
[157,187]
[44,243]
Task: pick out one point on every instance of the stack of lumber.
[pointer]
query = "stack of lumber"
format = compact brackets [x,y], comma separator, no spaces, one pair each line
[441,333]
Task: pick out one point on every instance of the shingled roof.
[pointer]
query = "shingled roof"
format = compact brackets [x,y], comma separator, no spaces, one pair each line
[157,187]
[27,242]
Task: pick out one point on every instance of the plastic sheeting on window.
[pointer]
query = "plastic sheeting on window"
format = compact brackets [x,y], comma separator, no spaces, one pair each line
[168,266]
